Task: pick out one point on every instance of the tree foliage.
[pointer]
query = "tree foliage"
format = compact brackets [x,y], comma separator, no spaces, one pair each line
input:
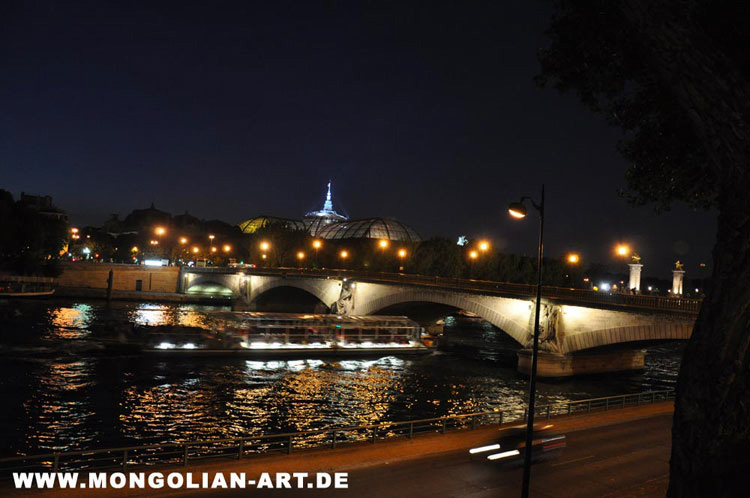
[674,76]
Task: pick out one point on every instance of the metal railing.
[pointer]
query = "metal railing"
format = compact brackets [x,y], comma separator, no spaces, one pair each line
[241,447]
[585,296]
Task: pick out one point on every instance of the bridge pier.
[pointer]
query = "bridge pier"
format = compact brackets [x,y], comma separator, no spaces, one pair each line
[582,363]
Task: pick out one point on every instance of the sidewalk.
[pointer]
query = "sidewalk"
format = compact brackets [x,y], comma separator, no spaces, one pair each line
[358,456]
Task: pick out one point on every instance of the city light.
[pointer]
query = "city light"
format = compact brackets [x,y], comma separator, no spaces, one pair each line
[226,248]
[573,258]
[300,255]
[484,245]
[183,240]
[402,253]
[317,244]
[212,237]
[622,250]
[473,254]
[74,230]
[160,230]
[153,242]
[517,210]
[196,249]
[264,246]
[264,256]
[213,249]
[134,249]
[344,254]
[383,244]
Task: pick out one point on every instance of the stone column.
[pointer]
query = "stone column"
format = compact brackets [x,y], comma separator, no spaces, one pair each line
[677,276]
[635,277]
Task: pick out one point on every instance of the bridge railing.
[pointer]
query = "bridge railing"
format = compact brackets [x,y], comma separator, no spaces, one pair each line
[240,447]
[585,296]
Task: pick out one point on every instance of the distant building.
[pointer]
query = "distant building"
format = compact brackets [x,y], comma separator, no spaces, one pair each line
[43,205]
[326,223]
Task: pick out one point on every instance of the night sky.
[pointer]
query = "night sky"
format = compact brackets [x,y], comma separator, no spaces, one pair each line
[423,112]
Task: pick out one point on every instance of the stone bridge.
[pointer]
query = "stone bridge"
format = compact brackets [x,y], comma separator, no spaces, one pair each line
[579,329]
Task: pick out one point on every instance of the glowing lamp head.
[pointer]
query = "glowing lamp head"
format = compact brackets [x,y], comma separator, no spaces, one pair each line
[195,250]
[517,210]
[134,249]
[344,254]
[484,245]
[264,246]
[622,250]
[213,249]
[183,240]
[227,248]
[317,244]
[573,258]
[212,237]
[300,255]
[383,244]
[473,254]
[402,253]
[160,230]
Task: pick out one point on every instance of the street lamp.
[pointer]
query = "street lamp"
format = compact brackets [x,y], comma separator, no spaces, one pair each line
[183,240]
[484,246]
[300,257]
[343,255]
[518,210]
[317,244]
[401,256]
[227,248]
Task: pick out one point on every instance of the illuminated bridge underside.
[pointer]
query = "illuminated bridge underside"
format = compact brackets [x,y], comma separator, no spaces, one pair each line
[564,328]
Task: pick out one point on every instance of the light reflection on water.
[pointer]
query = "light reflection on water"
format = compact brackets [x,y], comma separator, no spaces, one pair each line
[67,400]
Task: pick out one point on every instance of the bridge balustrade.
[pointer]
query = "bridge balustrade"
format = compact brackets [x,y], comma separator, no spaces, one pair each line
[584,296]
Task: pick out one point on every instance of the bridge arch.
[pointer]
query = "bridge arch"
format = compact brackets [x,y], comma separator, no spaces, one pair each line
[509,315]
[326,291]
[209,287]
[627,334]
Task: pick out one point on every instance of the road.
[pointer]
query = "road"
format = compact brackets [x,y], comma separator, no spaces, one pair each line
[624,460]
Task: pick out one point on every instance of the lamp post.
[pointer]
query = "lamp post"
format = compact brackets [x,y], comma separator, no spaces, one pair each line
[518,210]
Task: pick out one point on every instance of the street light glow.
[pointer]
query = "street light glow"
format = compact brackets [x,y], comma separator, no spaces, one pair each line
[227,248]
[264,246]
[573,258]
[213,249]
[183,240]
[622,250]
[484,245]
[402,253]
[473,254]
[383,244]
[160,230]
[212,236]
[344,254]
[300,255]
[195,250]
[517,210]
[316,244]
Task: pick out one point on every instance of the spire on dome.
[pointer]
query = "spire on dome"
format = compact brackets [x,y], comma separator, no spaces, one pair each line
[328,204]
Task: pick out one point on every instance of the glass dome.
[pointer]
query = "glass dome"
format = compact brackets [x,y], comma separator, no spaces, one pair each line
[369,228]
[254,224]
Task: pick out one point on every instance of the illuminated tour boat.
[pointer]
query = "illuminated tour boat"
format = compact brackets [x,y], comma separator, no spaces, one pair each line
[289,334]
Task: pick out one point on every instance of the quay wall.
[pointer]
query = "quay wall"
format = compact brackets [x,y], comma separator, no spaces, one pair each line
[125,277]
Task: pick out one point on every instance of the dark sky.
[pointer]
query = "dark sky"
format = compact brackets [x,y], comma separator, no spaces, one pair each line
[424,112]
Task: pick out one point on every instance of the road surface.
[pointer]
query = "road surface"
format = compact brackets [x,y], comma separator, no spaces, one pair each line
[623,460]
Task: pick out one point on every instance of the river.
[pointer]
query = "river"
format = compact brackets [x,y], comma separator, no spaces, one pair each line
[59,394]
